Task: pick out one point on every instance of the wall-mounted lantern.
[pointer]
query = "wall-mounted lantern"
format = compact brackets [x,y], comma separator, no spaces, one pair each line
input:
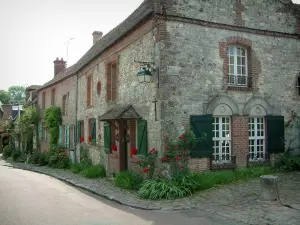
[145,72]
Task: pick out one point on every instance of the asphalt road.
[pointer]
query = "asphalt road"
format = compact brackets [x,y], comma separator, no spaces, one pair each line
[28,198]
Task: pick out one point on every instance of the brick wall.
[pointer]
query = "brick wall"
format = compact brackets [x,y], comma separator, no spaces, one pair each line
[240,139]
[199,165]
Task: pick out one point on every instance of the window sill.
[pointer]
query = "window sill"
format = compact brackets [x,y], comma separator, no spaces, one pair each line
[239,88]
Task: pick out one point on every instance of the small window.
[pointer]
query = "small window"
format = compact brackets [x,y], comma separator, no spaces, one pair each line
[256,138]
[92,130]
[44,100]
[65,105]
[237,66]
[298,84]
[111,82]
[98,88]
[52,96]
[89,91]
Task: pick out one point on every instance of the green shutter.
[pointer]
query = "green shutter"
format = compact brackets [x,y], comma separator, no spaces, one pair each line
[60,135]
[79,130]
[67,135]
[94,130]
[107,131]
[142,137]
[40,131]
[45,132]
[202,124]
[275,134]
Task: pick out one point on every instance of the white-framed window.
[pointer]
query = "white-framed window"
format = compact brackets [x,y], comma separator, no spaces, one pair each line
[256,138]
[237,66]
[222,139]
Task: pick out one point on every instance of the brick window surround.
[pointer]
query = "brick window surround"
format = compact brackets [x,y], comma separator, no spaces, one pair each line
[252,63]
[111,81]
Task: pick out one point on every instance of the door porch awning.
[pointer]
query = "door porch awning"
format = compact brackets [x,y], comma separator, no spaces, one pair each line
[125,112]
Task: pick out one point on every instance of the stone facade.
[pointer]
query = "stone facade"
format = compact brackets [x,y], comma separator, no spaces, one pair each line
[187,41]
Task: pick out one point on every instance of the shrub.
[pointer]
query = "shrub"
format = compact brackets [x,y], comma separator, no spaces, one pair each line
[76,168]
[16,154]
[7,150]
[43,159]
[59,159]
[287,163]
[128,180]
[96,171]
[35,158]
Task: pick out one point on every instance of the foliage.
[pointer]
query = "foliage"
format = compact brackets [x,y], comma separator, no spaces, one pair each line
[288,163]
[95,171]
[147,163]
[17,94]
[186,184]
[16,154]
[43,159]
[59,159]
[4,97]
[128,180]
[177,152]
[78,167]
[7,150]
[53,120]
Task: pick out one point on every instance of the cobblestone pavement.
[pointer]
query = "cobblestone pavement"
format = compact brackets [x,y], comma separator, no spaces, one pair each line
[237,202]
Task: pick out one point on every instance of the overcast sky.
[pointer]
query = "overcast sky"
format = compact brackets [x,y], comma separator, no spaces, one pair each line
[35,32]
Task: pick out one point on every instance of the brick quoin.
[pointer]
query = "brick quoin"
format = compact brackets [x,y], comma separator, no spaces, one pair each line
[239,9]
[240,142]
[199,165]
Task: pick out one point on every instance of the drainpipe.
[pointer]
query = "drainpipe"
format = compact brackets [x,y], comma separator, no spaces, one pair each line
[76,110]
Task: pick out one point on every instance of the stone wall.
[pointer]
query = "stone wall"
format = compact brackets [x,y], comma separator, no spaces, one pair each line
[252,14]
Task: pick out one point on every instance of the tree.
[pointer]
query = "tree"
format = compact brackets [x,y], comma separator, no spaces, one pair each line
[17,94]
[4,97]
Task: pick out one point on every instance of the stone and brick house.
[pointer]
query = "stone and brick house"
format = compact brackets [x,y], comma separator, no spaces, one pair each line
[225,68]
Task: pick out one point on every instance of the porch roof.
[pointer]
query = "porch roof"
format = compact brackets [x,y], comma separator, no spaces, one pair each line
[120,112]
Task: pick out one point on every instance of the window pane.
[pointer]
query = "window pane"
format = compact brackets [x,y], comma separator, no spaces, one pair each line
[239,70]
[239,60]
[243,51]
[244,61]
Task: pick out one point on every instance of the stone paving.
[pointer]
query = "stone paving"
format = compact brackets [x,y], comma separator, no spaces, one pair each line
[237,202]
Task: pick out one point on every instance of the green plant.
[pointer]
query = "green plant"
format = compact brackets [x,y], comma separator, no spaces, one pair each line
[59,159]
[35,157]
[7,150]
[147,163]
[16,154]
[95,171]
[76,168]
[43,159]
[128,180]
[53,119]
[288,163]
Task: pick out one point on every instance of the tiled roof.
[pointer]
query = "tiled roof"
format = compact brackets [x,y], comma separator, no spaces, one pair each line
[120,112]
[33,87]
[141,13]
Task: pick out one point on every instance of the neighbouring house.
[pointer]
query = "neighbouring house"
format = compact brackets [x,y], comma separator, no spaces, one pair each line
[225,68]
[8,114]
[61,91]
[31,94]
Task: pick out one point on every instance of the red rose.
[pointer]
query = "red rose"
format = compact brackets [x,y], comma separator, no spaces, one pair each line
[90,138]
[187,158]
[289,121]
[167,147]
[146,170]
[164,159]
[134,151]
[182,135]
[182,153]
[152,150]
[178,158]
[166,137]
[114,148]
[181,166]
[138,161]
[81,139]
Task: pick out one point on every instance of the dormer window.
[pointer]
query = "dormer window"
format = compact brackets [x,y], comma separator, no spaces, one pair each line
[237,66]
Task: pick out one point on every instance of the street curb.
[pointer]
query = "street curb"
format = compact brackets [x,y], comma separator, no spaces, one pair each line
[99,194]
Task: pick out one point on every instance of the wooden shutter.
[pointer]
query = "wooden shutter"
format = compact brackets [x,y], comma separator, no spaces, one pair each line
[94,130]
[202,124]
[132,130]
[88,91]
[142,137]
[107,131]
[275,134]
[60,135]
[82,129]
[45,134]
[108,82]
[79,130]
[67,136]
[114,82]
[40,131]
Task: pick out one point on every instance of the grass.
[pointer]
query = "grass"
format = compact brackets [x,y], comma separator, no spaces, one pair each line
[95,171]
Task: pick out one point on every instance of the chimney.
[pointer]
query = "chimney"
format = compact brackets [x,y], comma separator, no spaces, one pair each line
[59,65]
[97,35]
